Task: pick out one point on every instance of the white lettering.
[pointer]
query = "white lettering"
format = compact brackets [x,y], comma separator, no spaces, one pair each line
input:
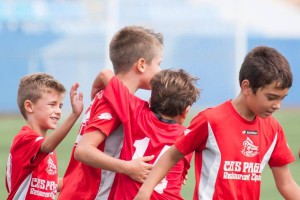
[38,183]
[41,193]
[256,177]
[249,171]
[250,167]
[232,166]
[236,176]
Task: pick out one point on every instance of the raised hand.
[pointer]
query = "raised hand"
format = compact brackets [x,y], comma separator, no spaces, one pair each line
[76,100]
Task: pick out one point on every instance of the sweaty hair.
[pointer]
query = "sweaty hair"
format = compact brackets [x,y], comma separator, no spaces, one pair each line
[264,65]
[132,43]
[172,91]
[31,87]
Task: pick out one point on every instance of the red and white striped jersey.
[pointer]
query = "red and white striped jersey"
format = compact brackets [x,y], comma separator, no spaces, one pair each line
[30,173]
[231,152]
[145,134]
[81,181]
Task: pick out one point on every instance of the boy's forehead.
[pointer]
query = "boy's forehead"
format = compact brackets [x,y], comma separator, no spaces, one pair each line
[49,90]
[274,88]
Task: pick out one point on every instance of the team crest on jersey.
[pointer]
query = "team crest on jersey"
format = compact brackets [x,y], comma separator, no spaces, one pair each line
[51,169]
[249,150]
[105,116]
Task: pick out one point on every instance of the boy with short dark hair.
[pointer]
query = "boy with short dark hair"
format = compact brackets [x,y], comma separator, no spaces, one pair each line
[152,130]
[32,171]
[136,54]
[234,141]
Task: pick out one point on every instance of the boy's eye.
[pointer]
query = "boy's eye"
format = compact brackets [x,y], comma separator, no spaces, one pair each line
[271,98]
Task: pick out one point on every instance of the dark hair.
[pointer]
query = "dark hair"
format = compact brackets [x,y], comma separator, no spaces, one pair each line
[264,65]
[172,91]
[132,43]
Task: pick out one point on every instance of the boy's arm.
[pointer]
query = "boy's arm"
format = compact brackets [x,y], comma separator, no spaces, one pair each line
[159,171]
[59,184]
[88,153]
[52,140]
[285,183]
[101,81]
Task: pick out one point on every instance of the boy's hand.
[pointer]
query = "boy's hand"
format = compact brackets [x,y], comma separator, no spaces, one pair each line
[185,179]
[139,169]
[76,100]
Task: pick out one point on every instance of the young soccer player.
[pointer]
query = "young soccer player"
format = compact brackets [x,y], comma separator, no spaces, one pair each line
[234,141]
[136,54]
[152,130]
[32,164]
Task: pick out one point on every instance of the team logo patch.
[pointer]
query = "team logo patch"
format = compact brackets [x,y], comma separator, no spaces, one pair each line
[249,132]
[51,169]
[249,150]
[105,116]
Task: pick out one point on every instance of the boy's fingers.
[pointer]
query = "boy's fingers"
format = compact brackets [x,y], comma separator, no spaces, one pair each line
[80,97]
[147,158]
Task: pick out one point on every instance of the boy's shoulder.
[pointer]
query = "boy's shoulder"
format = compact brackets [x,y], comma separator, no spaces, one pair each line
[26,133]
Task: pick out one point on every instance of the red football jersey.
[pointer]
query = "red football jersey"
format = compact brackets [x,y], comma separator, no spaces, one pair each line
[231,152]
[81,181]
[145,133]
[30,173]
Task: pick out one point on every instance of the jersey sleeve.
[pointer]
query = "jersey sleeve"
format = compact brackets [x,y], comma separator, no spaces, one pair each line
[100,116]
[119,97]
[32,145]
[195,137]
[282,154]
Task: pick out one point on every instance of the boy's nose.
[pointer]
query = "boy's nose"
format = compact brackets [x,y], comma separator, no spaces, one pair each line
[276,105]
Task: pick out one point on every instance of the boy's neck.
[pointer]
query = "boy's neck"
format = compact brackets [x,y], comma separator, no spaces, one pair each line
[242,109]
[176,119]
[130,81]
[36,128]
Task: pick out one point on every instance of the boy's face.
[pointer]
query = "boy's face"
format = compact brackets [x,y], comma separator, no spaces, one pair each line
[267,100]
[152,69]
[47,110]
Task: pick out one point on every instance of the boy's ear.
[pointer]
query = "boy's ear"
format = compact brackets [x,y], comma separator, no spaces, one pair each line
[141,65]
[186,111]
[28,105]
[245,87]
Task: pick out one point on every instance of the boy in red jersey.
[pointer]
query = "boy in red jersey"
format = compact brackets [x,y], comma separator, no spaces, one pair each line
[152,130]
[136,54]
[32,165]
[234,141]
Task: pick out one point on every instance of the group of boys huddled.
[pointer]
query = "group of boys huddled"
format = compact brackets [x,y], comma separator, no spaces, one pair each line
[128,148]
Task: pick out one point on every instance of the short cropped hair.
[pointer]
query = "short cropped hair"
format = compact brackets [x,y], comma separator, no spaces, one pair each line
[173,90]
[264,65]
[132,43]
[32,86]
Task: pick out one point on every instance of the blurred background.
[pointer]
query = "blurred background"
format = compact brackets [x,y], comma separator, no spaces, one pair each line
[208,38]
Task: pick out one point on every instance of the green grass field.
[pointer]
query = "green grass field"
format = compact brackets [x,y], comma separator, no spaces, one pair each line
[290,120]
